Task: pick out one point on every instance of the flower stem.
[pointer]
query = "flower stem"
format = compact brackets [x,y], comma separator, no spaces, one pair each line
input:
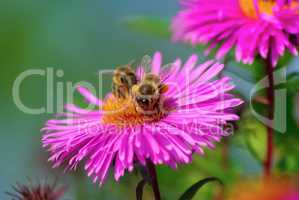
[153,178]
[270,96]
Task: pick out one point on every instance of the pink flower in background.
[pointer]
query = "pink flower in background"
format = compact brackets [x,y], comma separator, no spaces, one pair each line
[199,107]
[252,27]
[294,196]
[274,188]
[40,191]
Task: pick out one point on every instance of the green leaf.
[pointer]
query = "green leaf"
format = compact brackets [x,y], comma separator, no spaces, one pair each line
[241,77]
[293,82]
[149,25]
[191,191]
[255,136]
[285,60]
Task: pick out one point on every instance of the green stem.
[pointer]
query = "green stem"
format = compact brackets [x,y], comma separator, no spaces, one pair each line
[270,96]
[153,177]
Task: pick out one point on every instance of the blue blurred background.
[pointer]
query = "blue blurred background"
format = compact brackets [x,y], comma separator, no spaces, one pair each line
[80,38]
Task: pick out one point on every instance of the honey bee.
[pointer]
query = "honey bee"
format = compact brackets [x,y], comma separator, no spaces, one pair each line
[147,94]
[123,80]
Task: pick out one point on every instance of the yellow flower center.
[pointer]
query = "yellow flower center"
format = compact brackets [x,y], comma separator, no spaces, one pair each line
[122,112]
[264,7]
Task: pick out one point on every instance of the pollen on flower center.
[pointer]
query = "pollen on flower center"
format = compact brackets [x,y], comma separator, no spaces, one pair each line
[122,112]
[264,7]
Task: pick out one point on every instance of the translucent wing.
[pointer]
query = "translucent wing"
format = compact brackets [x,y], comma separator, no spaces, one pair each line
[167,70]
[133,64]
[144,66]
[146,63]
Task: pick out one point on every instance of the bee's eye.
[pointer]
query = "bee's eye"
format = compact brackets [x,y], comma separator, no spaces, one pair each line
[142,101]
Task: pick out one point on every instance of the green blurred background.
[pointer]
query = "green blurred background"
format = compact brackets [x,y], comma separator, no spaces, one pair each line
[82,37]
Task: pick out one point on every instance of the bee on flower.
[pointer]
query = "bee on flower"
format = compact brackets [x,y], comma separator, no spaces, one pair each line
[189,109]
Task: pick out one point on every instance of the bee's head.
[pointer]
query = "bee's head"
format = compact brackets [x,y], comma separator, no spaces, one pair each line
[147,89]
[145,95]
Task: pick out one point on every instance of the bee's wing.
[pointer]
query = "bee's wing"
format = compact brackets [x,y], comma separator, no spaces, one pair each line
[146,63]
[133,64]
[144,66]
[167,70]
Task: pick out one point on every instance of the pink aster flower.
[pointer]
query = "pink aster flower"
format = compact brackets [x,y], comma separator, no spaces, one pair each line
[264,27]
[116,135]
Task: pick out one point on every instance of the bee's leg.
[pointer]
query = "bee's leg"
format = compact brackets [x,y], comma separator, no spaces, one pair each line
[157,107]
[122,93]
[160,106]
